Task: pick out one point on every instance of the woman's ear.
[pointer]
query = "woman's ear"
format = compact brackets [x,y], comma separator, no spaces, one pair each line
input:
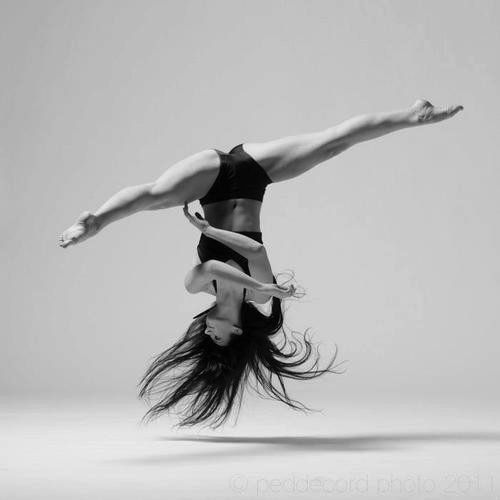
[236,330]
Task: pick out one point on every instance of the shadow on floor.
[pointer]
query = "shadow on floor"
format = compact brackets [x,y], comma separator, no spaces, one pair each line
[228,447]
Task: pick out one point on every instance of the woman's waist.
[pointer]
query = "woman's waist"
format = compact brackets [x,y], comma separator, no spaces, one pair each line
[234,215]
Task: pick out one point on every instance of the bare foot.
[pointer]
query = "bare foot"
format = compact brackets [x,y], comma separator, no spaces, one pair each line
[84,227]
[425,112]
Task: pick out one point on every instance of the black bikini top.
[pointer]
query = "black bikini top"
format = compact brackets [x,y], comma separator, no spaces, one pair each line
[240,176]
[209,248]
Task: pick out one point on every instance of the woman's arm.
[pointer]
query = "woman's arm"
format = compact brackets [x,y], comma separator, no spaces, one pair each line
[249,248]
[198,277]
[253,251]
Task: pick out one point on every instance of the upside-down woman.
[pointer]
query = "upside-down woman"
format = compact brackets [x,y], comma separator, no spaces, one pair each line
[203,375]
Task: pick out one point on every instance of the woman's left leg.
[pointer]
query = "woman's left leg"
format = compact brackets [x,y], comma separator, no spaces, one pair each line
[291,156]
[186,180]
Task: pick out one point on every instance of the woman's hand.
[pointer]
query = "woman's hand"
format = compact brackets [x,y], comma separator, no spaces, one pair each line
[198,222]
[279,291]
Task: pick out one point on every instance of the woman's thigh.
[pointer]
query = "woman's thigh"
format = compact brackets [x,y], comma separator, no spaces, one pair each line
[187,180]
[291,156]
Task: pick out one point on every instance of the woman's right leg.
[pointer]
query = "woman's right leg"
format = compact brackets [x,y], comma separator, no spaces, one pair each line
[187,180]
[291,156]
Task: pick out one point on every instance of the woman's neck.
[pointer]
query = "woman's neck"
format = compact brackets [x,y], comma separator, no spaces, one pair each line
[228,305]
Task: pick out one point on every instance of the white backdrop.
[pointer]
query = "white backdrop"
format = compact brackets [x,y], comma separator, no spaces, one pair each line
[396,241]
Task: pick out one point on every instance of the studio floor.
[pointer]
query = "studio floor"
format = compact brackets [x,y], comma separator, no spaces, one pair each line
[60,448]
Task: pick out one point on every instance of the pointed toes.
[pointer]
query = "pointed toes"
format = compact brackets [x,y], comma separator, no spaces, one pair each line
[65,243]
[455,109]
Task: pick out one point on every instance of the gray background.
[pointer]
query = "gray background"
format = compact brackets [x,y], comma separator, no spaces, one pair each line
[396,241]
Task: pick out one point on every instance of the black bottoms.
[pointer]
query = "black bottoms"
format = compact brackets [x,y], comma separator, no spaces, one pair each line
[240,176]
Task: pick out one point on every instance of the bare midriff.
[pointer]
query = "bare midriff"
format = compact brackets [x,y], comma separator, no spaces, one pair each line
[239,214]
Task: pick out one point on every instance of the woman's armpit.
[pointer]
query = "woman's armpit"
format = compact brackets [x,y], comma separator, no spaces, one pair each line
[196,259]
[210,289]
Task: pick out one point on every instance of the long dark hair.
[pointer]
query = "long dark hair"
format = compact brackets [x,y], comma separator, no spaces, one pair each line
[204,382]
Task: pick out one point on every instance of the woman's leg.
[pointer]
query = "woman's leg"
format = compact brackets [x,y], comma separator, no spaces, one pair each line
[187,180]
[291,156]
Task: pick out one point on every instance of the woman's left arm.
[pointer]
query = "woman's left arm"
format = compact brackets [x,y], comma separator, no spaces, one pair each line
[240,243]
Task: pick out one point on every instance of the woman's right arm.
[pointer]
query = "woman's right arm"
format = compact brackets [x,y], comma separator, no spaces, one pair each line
[198,277]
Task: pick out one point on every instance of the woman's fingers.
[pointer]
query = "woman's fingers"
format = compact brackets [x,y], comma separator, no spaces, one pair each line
[285,290]
[186,211]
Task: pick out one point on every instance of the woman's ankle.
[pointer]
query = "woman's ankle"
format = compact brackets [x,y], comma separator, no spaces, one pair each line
[98,221]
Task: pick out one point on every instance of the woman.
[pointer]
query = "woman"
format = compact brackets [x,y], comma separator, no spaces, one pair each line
[207,369]
[234,266]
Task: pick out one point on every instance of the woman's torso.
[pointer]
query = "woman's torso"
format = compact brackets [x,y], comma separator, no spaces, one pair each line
[233,203]
[234,215]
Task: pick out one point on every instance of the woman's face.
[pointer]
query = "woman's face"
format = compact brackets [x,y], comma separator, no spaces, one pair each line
[220,329]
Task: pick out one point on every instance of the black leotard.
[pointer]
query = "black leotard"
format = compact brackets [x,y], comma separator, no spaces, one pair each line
[240,176]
